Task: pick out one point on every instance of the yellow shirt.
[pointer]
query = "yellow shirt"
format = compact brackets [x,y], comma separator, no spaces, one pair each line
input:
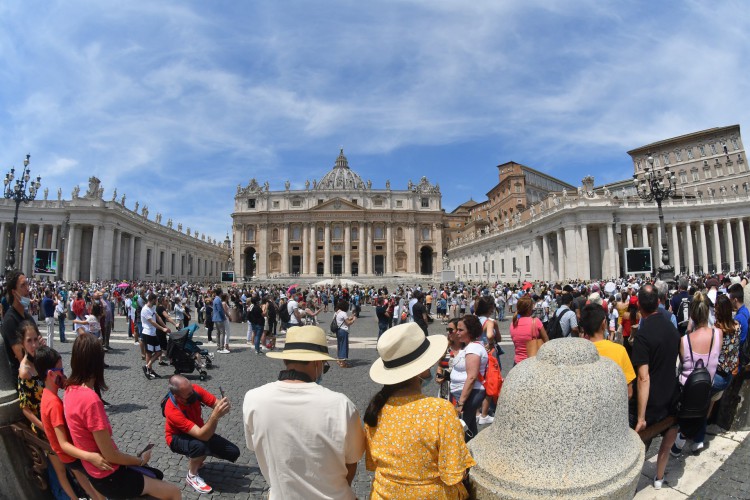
[619,355]
[417,450]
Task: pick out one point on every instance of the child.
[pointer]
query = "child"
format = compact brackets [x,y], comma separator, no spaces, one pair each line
[49,365]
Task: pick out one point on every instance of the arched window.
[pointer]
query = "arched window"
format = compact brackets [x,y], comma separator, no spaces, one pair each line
[400,233]
[275,234]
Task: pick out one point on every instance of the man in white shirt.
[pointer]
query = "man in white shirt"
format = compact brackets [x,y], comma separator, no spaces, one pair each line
[292,307]
[313,450]
[148,336]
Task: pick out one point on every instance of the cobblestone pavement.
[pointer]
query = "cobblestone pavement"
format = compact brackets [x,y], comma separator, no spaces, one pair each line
[731,480]
[136,417]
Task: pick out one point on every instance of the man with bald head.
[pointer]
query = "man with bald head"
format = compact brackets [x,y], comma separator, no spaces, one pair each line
[187,433]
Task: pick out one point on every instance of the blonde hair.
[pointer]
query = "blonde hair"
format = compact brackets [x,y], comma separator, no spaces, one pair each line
[699,309]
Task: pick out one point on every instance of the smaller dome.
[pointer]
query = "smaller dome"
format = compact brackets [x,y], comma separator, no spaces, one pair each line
[341,176]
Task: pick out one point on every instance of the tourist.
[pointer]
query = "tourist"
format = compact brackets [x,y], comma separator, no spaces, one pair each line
[186,432]
[270,311]
[445,367]
[255,322]
[17,294]
[48,308]
[655,351]
[343,322]
[594,324]
[227,321]
[466,389]
[91,431]
[524,328]
[418,311]
[48,363]
[675,303]
[218,318]
[208,316]
[568,322]
[742,316]
[292,307]
[438,457]
[179,312]
[149,338]
[381,312]
[60,314]
[312,452]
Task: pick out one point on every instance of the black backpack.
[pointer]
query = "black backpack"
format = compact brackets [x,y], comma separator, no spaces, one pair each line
[284,313]
[170,397]
[696,393]
[555,327]
[683,314]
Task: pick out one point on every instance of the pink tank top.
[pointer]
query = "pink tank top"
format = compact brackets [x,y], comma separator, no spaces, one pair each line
[710,360]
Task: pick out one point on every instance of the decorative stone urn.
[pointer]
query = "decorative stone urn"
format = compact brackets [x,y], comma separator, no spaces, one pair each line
[560,430]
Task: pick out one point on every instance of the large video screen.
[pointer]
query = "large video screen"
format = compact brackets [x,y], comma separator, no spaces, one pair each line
[45,261]
[227,276]
[638,261]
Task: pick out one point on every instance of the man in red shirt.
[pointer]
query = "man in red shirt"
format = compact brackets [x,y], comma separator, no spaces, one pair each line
[187,433]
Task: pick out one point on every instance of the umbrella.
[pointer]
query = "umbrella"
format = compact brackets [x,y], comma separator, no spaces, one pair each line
[292,289]
[610,287]
[123,285]
[526,285]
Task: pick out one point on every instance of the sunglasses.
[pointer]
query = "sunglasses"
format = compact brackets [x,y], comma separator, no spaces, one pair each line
[56,370]
[326,367]
[450,330]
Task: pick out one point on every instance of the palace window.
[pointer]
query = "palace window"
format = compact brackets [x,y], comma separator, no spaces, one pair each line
[400,233]
[678,154]
[689,153]
[399,203]
[735,143]
[638,165]
[719,170]
[337,232]
[425,203]
[683,177]
[666,158]
[656,161]
[296,203]
[694,172]
[250,234]
[713,149]
[702,149]
[707,173]
[251,203]
[321,234]
[730,168]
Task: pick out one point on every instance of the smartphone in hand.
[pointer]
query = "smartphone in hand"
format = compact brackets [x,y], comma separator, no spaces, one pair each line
[222,392]
[147,448]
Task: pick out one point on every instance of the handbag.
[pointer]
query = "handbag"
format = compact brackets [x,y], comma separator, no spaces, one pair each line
[533,345]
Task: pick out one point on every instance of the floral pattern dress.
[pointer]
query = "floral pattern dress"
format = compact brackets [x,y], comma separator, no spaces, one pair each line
[417,450]
[30,396]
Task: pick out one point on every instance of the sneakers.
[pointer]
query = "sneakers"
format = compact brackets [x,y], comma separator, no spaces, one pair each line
[679,443]
[223,351]
[658,483]
[697,447]
[264,348]
[149,373]
[486,420]
[198,483]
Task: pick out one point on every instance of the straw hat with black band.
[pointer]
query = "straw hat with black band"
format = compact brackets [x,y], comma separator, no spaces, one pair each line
[304,343]
[405,352]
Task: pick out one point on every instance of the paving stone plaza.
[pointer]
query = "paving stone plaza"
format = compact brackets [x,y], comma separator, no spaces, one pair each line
[719,472]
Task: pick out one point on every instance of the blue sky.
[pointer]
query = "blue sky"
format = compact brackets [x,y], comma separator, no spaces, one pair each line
[175,103]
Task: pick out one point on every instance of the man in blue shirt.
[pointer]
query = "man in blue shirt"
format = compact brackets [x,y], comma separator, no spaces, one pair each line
[219,319]
[737,297]
[662,289]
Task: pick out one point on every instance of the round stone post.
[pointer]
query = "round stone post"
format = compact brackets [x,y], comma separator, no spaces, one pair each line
[560,431]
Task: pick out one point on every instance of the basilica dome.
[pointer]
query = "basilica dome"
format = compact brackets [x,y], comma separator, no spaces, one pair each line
[341,176]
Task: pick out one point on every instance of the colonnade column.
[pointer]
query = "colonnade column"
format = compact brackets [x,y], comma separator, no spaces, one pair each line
[571,264]
[612,261]
[717,247]
[40,237]
[285,249]
[690,258]
[743,242]
[3,242]
[131,258]
[545,260]
[53,243]
[94,255]
[305,250]
[629,235]
[644,235]
[676,250]
[388,249]
[585,270]
[704,246]
[347,271]
[107,248]
[116,274]
[327,250]
[28,239]
[560,256]
[730,244]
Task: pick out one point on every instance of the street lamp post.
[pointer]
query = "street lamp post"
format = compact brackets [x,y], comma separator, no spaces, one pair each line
[17,193]
[658,186]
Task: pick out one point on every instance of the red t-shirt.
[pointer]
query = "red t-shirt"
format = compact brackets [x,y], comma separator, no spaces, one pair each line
[85,414]
[181,420]
[53,416]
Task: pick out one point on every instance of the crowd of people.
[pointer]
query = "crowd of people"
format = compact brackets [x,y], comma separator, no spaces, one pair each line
[313,451]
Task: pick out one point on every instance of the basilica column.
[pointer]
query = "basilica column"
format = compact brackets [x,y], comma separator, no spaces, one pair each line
[690,257]
[676,250]
[313,268]
[364,250]
[370,249]
[717,247]
[730,244]
[437,236]
[285,249]
[743,242]
[262,260]
[546,272]
[560,255]
[305,250]
[388,248]
[327,250]
[584,263]
[411,248]
[704,246]
[629,235]
[347,271]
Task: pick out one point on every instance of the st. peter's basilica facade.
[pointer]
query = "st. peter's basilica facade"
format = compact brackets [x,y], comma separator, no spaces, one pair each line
[337,226]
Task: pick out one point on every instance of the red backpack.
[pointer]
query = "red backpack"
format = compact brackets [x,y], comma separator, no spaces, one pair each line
[493,377]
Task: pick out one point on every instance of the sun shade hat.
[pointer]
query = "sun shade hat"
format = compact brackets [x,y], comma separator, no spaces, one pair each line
[304,343]
[405,352]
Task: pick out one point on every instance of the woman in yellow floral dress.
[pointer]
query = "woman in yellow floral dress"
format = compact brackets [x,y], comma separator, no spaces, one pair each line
[415,443]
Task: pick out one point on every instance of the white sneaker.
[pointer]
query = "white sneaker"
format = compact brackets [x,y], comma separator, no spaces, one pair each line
[486,420]
[264,348]
[679,441]
[198,484]
[696,447]
[658,483]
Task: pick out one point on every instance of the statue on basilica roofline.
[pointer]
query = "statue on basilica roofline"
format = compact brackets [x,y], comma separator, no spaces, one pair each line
[179,227]
[122,200]
[59,194]
[369,184]
[287,184]
[76,191]
[46,193]
[307,184]
[388,184]
[137,204]
[114,195]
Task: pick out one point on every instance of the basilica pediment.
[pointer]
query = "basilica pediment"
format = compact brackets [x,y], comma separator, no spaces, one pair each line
[337,204]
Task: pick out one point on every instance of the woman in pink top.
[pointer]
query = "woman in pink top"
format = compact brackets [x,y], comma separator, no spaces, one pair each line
[703,343]
[524,328]
[91,431]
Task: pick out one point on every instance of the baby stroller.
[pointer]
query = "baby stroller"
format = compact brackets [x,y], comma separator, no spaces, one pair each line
[186,355]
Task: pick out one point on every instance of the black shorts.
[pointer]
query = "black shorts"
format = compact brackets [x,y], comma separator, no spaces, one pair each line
[125,482]
[75,465]
[162,339]
[152,343]
[216,446]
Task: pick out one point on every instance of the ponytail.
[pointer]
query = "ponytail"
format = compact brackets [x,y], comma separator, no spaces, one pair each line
[379,400]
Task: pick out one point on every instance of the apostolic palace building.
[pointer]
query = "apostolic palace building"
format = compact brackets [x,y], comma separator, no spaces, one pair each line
[530,226]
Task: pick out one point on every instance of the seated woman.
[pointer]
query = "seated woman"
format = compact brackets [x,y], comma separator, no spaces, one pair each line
[423,457]
[91,431]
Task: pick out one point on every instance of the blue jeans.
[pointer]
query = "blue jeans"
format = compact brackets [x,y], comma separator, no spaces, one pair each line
[472,404]
[382,327]
[501,313]
[257,333]
[342,343]
[61,323]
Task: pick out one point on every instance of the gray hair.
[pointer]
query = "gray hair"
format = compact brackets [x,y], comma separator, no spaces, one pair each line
[661,289]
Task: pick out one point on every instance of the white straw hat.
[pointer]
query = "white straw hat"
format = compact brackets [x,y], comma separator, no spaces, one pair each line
[405,352]
[304,343]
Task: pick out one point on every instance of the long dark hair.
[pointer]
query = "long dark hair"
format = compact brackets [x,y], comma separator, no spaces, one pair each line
[11,283]
[723,312]
[379,400]
[87,362]
[524,308]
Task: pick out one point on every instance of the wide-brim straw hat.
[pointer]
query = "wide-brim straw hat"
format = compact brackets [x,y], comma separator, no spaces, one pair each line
[304,343]
[405,352]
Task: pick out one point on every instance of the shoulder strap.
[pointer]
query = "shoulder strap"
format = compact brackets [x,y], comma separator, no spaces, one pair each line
[690,347]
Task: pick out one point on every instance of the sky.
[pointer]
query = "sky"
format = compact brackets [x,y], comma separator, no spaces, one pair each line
[175,103]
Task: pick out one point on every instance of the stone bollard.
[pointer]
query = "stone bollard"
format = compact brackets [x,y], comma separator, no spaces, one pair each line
[560,430]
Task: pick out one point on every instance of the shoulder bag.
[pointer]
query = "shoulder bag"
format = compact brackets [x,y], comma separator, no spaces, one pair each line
[533,345]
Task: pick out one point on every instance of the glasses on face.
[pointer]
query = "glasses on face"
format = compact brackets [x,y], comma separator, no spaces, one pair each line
[450,330]
[56,370]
